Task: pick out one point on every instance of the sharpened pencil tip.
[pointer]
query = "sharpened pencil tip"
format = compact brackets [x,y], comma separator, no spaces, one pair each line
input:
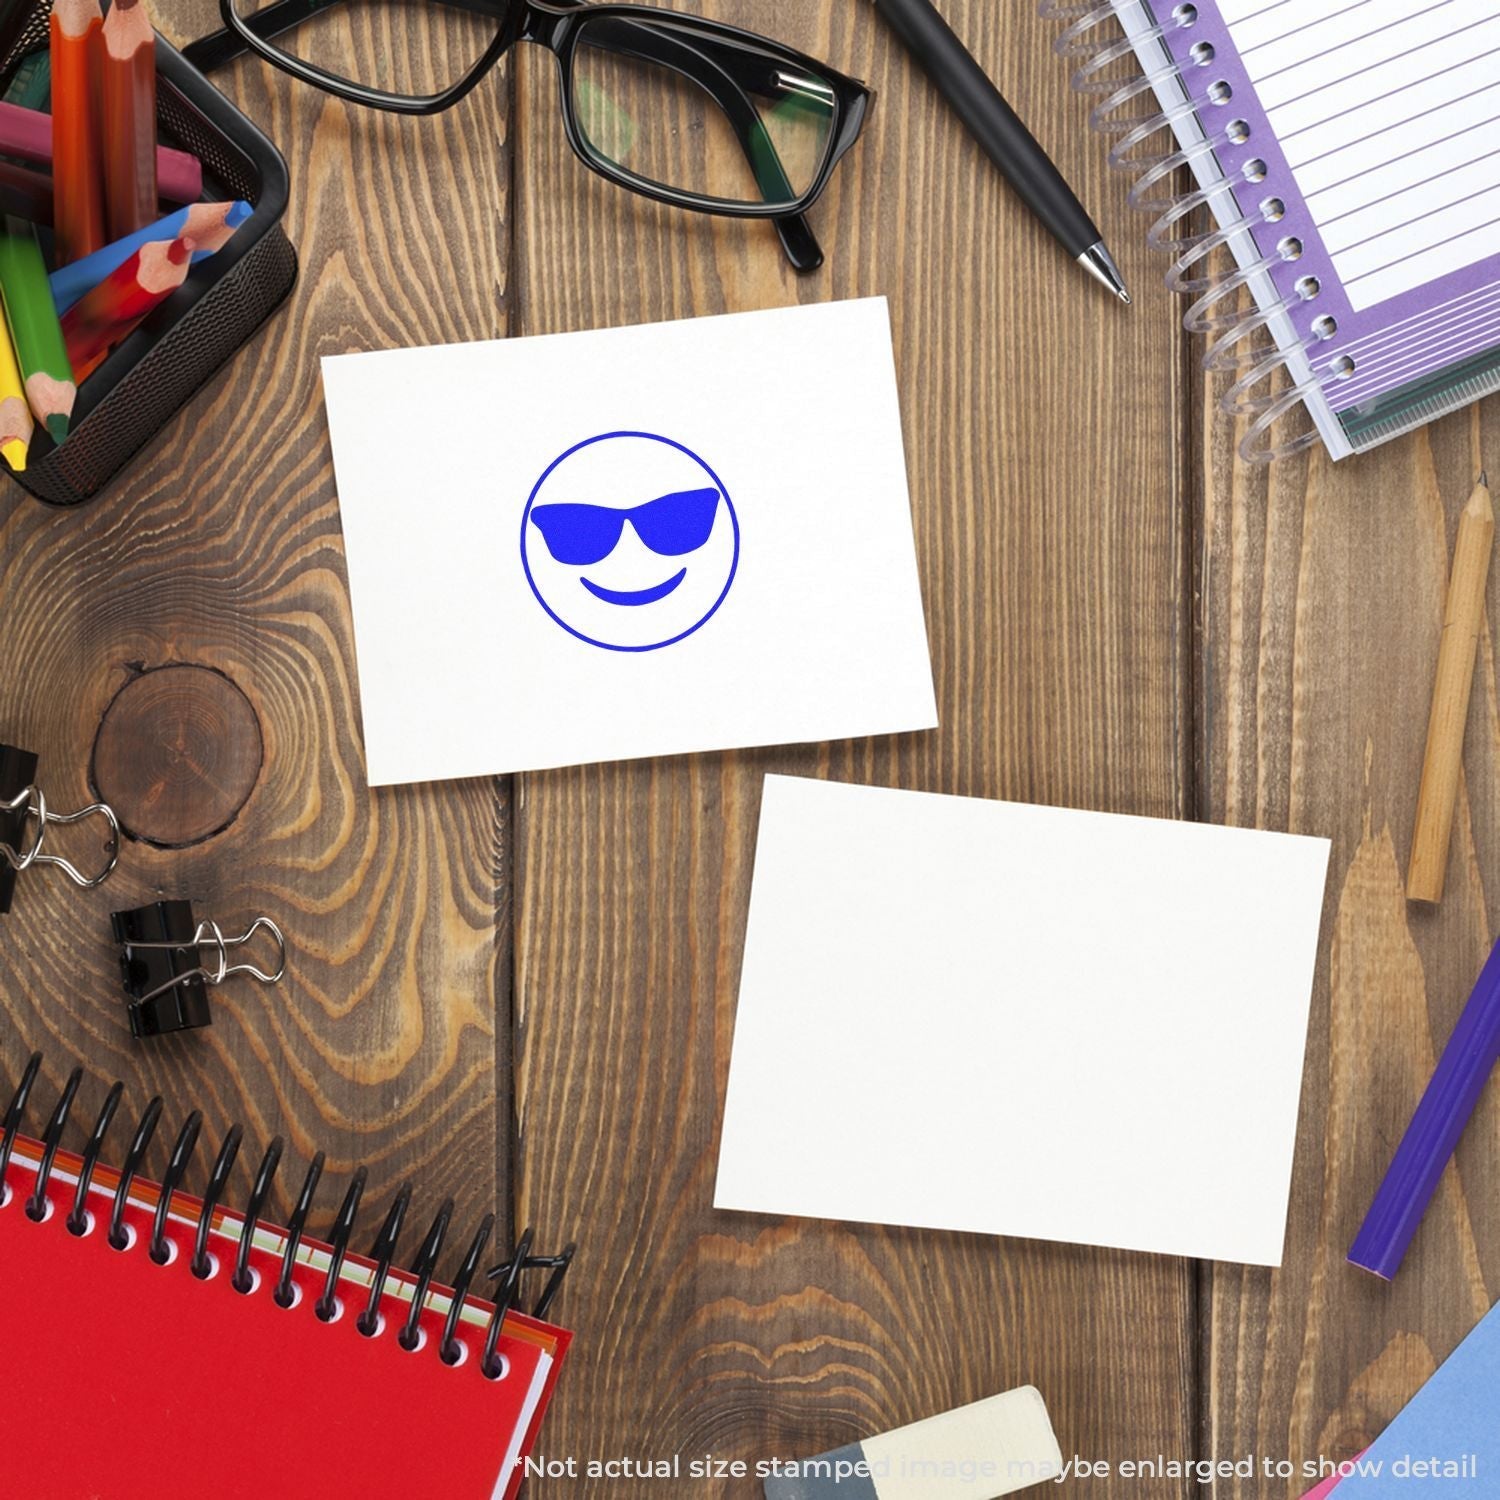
[57,427]
[1484,478]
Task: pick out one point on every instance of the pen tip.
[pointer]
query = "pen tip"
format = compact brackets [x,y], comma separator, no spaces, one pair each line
[1098,262]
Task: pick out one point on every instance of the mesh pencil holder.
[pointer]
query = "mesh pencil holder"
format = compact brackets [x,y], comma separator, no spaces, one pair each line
[165,362]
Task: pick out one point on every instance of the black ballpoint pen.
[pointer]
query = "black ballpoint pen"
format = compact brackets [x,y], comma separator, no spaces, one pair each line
[997,128]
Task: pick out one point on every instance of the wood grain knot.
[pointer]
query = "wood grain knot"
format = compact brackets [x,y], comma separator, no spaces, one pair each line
[178,753]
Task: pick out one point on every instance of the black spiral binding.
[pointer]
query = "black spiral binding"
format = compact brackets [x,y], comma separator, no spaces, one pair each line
[343,1226]
[12,1122]
[242,1280]
[369,1323]
[182,1154]
[36,1209]
[450,1351]
[78,1217]
[385,1249]
[118,1239]
[201,1264]
[422,1268]
[285,1293]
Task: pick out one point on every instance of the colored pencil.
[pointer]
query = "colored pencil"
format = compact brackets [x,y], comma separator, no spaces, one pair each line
[98,321]
[34,328]
[208,225]
[25,193]
[128,119]
[1463,622]
[1433,1135]
[16,425]
[26,134]
[77,173]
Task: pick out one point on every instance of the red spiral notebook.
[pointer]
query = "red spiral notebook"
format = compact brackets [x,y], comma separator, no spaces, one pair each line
[130,1380]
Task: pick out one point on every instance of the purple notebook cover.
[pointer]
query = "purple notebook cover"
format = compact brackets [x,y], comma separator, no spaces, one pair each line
[1417,332]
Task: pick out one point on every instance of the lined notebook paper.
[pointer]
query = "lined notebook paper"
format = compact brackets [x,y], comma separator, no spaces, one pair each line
[1357,143]
[1388,115]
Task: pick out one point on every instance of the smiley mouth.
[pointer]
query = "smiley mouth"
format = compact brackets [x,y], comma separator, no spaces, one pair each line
[641,596]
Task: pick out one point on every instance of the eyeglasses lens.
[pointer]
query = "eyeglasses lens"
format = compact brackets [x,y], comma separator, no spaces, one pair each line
[684,109]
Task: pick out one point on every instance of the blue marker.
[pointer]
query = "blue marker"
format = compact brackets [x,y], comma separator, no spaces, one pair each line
[214,222]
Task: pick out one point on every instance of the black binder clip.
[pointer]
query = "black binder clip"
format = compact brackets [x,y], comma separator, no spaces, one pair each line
[166,977]
[25,820]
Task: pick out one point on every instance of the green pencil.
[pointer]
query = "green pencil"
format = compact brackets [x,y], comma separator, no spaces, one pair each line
[34,328]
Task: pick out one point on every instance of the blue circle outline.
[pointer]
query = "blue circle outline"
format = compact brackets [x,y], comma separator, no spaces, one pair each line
[655,437]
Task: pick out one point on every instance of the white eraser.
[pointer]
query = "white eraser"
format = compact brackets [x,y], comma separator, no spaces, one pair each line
[977,1452]
[1007,1439]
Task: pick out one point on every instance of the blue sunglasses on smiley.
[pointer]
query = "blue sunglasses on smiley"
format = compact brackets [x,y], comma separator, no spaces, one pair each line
[670,526]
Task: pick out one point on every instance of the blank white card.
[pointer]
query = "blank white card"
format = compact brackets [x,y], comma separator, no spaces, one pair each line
[1017,1020]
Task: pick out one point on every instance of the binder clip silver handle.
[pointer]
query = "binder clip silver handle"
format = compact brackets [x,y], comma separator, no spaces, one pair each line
[32,804]
[215,973]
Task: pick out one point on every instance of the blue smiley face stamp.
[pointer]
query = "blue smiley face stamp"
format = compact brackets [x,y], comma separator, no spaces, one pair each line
[630,541]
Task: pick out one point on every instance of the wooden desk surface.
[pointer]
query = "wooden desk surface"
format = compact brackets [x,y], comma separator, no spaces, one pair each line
[521,991]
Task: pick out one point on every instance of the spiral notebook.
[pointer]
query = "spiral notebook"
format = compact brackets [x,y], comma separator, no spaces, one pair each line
[139,1380]
[1348,152]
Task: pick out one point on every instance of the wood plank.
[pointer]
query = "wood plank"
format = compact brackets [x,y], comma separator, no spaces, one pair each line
[222,550]
[1045,455]
[1322,607]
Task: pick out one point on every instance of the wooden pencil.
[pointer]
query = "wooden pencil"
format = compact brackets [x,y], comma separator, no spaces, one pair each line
[1462,621]
[78,182]
[99,320]
[16,424]
[208,225]
[28,194]
[34,328]
[25,193]
[128,119]
[26,135]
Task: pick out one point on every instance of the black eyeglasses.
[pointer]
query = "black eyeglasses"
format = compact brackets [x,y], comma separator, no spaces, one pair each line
[680,109]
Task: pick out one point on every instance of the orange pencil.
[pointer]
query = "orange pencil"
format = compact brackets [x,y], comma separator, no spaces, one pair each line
[99,320]
[128,119]
[78,184]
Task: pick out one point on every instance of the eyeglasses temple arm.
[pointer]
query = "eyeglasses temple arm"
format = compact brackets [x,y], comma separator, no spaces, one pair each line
[798,241]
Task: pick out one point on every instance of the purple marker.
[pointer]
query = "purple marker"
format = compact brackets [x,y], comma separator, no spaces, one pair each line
[1433,1135]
